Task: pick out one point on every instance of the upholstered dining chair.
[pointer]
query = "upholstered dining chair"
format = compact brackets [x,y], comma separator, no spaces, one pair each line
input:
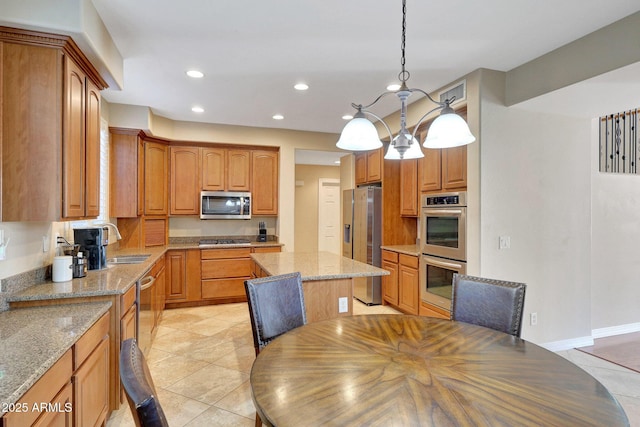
[496,304]
[138,386]
[276,305]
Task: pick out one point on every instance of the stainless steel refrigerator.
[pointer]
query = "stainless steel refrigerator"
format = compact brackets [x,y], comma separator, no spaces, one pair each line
[362,231]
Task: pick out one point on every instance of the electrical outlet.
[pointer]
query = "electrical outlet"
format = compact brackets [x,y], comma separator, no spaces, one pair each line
[45,243]
[343,305]
[504,242]
[533,317]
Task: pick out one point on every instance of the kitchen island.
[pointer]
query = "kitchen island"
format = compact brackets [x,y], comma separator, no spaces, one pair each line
[327,279]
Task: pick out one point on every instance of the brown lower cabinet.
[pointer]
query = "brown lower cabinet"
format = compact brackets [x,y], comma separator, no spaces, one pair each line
[209,276]
[75,390]
[224,272]
[122,325]
[401,288]
[390,282]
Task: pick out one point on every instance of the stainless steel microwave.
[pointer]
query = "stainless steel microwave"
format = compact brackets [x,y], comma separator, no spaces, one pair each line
[225,205]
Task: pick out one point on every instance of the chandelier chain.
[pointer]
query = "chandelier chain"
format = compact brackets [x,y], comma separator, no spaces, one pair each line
[404,75]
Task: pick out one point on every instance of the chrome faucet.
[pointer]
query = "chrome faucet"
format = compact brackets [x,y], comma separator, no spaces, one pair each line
[115,227]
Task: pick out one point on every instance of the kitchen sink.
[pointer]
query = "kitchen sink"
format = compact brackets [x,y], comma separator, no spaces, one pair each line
[128,259]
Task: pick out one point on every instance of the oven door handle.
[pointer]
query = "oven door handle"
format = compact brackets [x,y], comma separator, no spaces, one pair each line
[436,212]
[439,263]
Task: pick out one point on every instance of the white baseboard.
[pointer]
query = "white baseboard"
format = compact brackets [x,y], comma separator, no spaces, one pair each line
[595,333]
[568,344]
[615,330]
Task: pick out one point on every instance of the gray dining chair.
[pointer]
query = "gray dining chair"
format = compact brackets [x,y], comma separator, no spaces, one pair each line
[495,304]
[276,305]
[138,387]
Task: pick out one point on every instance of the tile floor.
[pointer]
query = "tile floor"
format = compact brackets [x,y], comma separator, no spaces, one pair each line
[201,359]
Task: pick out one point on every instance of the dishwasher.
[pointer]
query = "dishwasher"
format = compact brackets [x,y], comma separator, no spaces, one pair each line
[146,299]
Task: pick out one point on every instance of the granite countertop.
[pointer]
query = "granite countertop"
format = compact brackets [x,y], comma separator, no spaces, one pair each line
[403,249]
[315,265]
[33,339]
[115,279]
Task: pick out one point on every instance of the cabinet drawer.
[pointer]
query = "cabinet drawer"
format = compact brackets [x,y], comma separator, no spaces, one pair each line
[222,268]
[223,288]
[390,256]
[408,260]
[90,340]
[225,253]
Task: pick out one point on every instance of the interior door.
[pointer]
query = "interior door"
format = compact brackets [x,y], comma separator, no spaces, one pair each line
[329,215]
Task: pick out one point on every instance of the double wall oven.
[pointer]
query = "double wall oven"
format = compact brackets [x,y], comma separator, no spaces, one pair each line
[443,229]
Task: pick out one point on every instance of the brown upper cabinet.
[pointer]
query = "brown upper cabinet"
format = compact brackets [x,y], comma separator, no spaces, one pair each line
[50,128]
[185,180]
[156,183]
[264,182]
[409,192]
[151,176]
[369,166]
[443,169]
[139,175]
[226,169]
[127,173]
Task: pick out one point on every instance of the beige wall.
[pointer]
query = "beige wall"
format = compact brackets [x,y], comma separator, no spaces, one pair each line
[306,204]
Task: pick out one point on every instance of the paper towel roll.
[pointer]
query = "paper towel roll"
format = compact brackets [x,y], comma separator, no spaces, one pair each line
[62,268]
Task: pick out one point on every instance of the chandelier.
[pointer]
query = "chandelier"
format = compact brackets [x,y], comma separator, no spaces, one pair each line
[447,130]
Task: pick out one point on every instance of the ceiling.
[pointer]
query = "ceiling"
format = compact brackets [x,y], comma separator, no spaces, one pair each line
[253,52]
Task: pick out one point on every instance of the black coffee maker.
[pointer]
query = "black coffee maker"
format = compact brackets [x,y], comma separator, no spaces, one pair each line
[93,243]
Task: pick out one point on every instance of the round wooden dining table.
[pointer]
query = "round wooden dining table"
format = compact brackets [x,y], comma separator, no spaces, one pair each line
[400,370]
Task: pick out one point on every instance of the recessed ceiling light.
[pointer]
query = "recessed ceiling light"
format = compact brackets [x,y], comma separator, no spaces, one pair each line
[195,74]
[197,109]
[394,86]
[347,117]
[278,117]
[301,86]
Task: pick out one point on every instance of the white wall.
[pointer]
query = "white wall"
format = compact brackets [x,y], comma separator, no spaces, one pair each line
[536,188]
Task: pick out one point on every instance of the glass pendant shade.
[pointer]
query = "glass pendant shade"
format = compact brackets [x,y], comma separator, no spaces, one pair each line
[359,135]
[448,130]
[414,151]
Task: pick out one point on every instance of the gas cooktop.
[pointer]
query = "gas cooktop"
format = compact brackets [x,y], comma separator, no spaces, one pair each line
[215,242]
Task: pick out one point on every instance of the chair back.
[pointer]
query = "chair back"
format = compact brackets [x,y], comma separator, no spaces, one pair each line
[276,305]
[138,386]
[496,304]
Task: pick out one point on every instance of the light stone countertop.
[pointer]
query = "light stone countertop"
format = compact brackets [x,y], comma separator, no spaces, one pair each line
[403,249]
[315,265]
[115,279]
[33,339]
